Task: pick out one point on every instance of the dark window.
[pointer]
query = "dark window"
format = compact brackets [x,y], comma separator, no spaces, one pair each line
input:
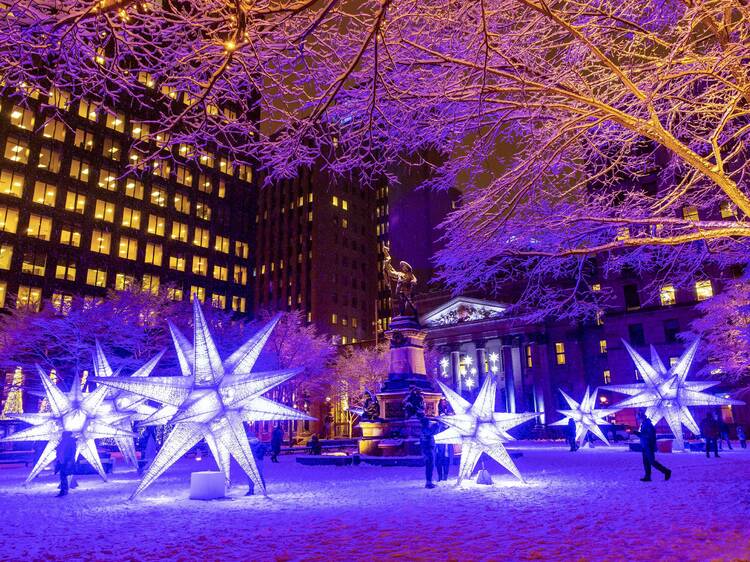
[632,301]
[636,335]
[671,329]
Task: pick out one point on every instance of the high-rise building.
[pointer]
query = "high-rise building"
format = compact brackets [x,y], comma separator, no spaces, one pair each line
[82,211]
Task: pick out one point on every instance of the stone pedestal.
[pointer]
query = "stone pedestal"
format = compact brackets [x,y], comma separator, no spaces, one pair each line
[207,485]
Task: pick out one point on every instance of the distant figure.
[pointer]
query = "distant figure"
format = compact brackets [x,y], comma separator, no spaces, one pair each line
[741,436]
[65,456]
[443,459]
[371,407]
[710,431]
[444,408]
[427,444]
[647,435]
[414,403]
[259,451]
[571,434]
[277,438]
[327,424]
[148,448]
[315,447]
[724,434]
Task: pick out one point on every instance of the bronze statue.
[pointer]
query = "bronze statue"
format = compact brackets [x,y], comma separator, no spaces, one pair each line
[405,282]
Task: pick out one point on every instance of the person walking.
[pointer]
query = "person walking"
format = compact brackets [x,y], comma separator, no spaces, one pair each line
[65,456]
[647,435]
[724,434]
[259,451]
[710,431]
[427,444]
[571,434]
[741,436]
[277,438]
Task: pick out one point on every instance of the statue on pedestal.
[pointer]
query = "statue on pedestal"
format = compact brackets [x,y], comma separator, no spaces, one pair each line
[371,407]
[414,403]
[405,282]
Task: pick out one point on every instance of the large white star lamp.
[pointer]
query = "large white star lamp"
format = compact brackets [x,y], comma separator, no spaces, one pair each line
[80,413]
[211,400]
[585,415]
[479,429]
[665,393]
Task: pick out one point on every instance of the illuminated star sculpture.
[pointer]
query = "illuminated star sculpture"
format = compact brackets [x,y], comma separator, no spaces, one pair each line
[129,407]
[211,400]
[585,415]
[80,413]
[666,394]
[479,429]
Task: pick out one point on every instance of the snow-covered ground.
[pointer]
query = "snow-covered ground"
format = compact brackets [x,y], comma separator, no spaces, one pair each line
[584,506]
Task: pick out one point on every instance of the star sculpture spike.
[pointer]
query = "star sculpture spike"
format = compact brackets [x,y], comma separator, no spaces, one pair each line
[479,429]
[211,400]
[132,407]
[80,413]
[667,394]
[585,415]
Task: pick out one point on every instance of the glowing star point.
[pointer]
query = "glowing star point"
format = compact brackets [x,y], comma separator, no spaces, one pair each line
[585,415]
[211,400]
[665,393]
[479,429]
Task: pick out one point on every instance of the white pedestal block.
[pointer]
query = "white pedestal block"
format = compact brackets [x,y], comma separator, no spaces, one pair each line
[207,485]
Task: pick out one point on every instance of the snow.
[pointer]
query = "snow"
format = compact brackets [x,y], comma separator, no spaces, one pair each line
[588,505]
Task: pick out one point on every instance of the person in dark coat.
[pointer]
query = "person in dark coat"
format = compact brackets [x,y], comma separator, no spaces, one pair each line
[259,451]
[571,434]
[724,434]
[741,436]
[647,435]
[443,459]
[316,448]
[65,457]
[427,444]
[710,431]
[277,438]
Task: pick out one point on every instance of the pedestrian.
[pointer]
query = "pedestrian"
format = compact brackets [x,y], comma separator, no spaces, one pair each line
[724,434]
[427,444]
[710,431]
[571,434]
[315,447]
[277,437]
[65,456]
[443,459]
[327,424]
[741,436]
[647,435]
[259,451]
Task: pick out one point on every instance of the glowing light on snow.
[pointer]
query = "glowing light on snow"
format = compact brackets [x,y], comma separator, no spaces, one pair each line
[78,412]
[479,429]
[586,416]
[212,399]
[666,394]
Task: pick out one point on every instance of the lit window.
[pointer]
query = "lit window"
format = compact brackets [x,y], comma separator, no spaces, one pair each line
[690,213]
[602,346]
[66,269]
[184,176]
[201,237]
[560,353]
[221,272]
[128,248]
[334,318]
[39,227]
[204,184]
[96,277]
[100,241]
[226,166]
[34,263]
[175,294]
[75,202]
[150,283]
[218,301]
[203,211]
[607,376]
[104,211]
[49,159]
[29,298]
[335,201]
[6,256]
[238,304]
[116,121]
[240,275]
[107,179]
[146,79]
[241,249]
[667,295]
[45,193]
[161,168]
[88,110]
[62,303]
[112,149]
[134,189]
[70,236]
[123,281]
[153,254]
[200,292]
[200,265]
[3,292]
[54,129]
[177,261]
[222,244]
[59,98]
[179,231]
[158,197]
[11,183]
[156,225]
[131,218]
[623,233]
[222,189]
[529,358]
[22,117]
[140,130]
[79,170]
[207,159]
[703,290]
[17,149]
[84,139]
[245,172]
[345,204]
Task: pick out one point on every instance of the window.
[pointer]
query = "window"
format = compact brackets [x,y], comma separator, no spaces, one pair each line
[334,318]
[3,292]
[100,241]
[112,149]
[179,231]
[158,197]
[34,263]
[241,249]
[560,353]
[226,166]
[29,297]
[6,256]
[667,295]
[201,237]
[177,261]
[200,292]
[636,334]
[221,272]
[59,98]
[155,225]
[75,202]
[184,176]
[123,281]
[146,79]
[602,346]
[207,159]
[345,204]
[204,184]
[131,218]
[704,290]
[134,189]
[140,130]
[22,117]
[727,210]
[150,283]
[96,277]
[104,211]
[529,358]
[245,172]
[79,170]
[11,183]
[175,294]
[222,189]
[153,254]
[690,213]
[596,287]
[66,269]
[8,219]
[607,376]
[671,329]
[116,121]
[17,149]
[335,201]
[45,193]
[49,159]
[62,303]
[185,150]
[632,300]
[128,248]
[88,110]
[70,236]
[182,203]
[218,301]
[84,139]
[203,211]
[238,304]
[222,244]
[54,129]
[39,227]
[200,265]
[240,275]
[107,179]
[160,168]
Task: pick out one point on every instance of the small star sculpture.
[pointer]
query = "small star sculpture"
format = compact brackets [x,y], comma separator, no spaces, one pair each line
[586,416]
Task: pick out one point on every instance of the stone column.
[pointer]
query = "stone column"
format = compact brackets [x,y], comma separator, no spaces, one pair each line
[510,383]
[480,359]
[521,405]
[455,373]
